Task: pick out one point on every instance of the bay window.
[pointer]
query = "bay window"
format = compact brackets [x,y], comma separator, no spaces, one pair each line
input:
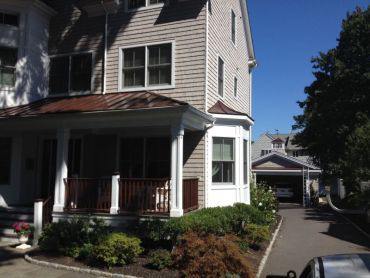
[223,161]
[70,73]
[245,161]
[8,61]
[147,66]
[5,160]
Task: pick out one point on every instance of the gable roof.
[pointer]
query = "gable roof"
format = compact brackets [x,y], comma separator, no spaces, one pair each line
[290,159]
[92,103]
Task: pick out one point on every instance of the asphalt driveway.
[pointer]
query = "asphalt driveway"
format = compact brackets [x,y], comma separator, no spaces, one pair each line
[307,233]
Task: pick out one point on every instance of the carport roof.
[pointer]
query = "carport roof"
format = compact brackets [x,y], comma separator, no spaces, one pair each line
[291,159]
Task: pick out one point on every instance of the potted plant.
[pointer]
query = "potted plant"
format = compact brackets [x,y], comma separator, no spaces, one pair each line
[23,230]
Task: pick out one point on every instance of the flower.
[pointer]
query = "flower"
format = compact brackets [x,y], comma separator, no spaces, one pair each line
[260,204]
[273,211]
[22,228]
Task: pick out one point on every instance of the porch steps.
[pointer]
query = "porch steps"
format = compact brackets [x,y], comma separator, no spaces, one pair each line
[10,215]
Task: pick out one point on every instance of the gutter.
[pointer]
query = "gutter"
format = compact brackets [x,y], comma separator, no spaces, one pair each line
[105,48]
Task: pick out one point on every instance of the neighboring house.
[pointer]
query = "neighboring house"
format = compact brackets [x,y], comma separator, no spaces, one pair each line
[285,167]
[132,106]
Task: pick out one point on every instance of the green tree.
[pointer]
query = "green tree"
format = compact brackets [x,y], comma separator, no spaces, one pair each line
[334,126]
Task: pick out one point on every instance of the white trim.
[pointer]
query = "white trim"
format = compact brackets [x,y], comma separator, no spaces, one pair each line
[218,76]
[235,27]
[146,7]
[234,117]
[284,171]
[146,86]
[247,29]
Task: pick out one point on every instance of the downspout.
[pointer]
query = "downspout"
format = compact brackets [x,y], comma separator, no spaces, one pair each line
[344,211]
[105,48]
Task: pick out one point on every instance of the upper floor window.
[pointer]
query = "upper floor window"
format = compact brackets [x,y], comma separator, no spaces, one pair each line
[5,160]
[9,19]
[223,162]
[136,4]
[8,61]
[264,152]
[235,86]
[70,74]
[221,75]
[233,27]
[147,66]
[277,145]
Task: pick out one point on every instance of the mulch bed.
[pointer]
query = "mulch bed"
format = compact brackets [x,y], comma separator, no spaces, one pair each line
[140,267]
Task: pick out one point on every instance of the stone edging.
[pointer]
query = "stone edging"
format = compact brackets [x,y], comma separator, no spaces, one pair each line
[269,249]
[355,225]
[75,269]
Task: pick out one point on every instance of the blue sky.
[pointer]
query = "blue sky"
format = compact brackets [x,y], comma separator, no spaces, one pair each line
[287,34]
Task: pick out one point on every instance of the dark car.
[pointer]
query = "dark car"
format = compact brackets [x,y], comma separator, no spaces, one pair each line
[335,266]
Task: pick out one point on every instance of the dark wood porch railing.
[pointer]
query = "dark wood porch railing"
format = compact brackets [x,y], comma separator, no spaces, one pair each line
[190,194]
[47,210]
[144,196]
[88,195]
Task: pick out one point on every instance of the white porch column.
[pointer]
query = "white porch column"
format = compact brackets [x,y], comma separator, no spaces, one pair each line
[37,221]
[61,169]
[177,154]
[114,209]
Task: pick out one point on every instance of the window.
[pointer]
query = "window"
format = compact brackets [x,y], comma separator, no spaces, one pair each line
[221,73]
[233,27]
[145,158]
[135,4]
[299,153]
[264,152]
[277,145]
[8,61]
[223,160]
[235,87]
[155,70]
[9,19]
[245,161]
[70,74]
[5,160]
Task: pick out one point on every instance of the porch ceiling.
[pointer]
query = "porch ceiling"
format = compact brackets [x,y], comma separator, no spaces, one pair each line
[122,108]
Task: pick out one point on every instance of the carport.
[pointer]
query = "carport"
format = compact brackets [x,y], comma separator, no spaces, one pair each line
[287,174]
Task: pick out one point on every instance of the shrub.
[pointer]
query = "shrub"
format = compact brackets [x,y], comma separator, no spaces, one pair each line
[116,249]
[68,237]
[160,259]
[210,256]
[264,199]
[217,221]
[356,200]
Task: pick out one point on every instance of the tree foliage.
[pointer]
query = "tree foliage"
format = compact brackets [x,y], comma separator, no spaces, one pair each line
[334,126]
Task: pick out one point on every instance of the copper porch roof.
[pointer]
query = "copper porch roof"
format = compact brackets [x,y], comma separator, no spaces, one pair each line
[221,108]
[92,103]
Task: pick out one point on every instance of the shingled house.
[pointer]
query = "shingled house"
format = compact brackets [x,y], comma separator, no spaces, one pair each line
[131,107]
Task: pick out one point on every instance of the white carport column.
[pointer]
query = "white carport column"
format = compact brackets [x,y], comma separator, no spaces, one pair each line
[177,154]
[61,169]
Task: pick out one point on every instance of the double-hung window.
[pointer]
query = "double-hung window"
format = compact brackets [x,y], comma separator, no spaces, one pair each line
[136,4]
[8,61]
[70,74]
[223,164]
[5,160]
[147,66]
[221,75]
[233,27]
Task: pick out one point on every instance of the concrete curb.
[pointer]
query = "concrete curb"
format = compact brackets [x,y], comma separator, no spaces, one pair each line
[76,269]
[355,225]
[269,249]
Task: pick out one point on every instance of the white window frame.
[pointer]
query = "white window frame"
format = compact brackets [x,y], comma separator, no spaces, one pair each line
[146,77]
[223,77]
[234,160]
[235,27]
[147,6]
[74,93]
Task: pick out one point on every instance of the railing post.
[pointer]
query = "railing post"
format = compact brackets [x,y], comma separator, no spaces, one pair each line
[37,220]
[115,194]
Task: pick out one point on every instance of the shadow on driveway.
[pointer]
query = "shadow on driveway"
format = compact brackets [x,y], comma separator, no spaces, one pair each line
[338,228]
